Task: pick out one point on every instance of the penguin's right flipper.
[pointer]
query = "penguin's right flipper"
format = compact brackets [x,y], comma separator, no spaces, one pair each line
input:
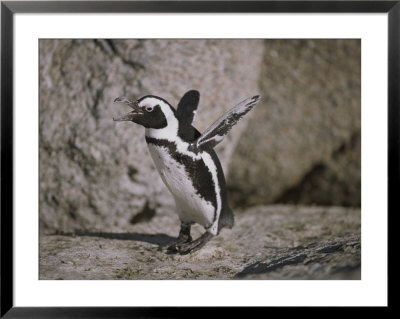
[220,128]
[187,106]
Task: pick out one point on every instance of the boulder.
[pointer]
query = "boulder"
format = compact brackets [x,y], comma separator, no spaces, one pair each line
[304,137]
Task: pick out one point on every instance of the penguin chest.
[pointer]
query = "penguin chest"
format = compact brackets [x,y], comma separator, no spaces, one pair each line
[182,179]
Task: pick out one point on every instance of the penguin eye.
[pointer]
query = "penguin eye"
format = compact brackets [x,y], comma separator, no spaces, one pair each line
[149,108]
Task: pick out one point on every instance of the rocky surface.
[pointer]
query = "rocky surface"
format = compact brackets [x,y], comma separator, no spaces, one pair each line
[267,242]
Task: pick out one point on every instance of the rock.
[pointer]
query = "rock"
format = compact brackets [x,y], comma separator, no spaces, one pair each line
[96,173]
[267,242]
[334,182]
[311,109]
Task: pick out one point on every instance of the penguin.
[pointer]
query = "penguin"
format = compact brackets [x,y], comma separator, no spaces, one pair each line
[187,162]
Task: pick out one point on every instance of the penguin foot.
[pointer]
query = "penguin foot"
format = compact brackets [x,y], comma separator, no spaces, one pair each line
[195,245]
[173,247]
[184,237]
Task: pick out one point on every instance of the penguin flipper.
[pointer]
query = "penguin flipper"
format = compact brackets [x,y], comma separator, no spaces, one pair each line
[187,106]
[220,128]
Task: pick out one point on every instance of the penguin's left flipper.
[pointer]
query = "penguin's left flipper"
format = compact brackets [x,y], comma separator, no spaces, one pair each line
[187,106]
[220,128]
[194,245]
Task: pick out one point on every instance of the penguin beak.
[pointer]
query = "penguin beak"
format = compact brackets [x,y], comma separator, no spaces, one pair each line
[131,115]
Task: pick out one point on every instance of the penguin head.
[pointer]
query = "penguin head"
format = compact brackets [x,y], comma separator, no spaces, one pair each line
[150,111]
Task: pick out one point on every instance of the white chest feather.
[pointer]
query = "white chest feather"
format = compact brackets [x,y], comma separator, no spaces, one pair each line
[191,206]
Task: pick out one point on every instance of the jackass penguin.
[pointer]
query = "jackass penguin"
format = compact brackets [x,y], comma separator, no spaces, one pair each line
[186,161]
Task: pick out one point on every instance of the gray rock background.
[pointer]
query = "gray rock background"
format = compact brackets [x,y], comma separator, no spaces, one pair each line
[301,144]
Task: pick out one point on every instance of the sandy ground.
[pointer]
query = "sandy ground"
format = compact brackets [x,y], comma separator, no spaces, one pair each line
[267,242]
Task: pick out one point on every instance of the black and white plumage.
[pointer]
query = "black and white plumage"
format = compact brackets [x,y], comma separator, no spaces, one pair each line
[186,161]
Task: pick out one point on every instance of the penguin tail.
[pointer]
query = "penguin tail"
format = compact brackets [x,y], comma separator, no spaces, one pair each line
[226,219]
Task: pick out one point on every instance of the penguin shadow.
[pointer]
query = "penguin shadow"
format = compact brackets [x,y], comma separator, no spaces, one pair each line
[161,240]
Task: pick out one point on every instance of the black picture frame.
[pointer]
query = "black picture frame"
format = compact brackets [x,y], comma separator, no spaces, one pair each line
[9,8]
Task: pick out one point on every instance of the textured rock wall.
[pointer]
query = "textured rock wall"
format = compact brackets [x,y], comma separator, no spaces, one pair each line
[303,143]
[96,173]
